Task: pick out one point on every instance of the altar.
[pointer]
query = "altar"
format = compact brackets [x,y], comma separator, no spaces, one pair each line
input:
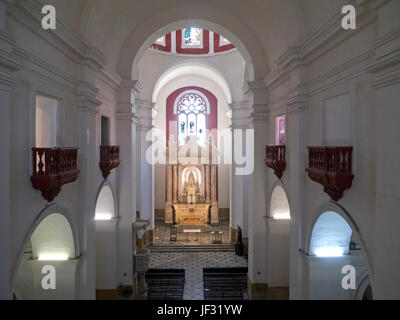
[192,214]
[191,188]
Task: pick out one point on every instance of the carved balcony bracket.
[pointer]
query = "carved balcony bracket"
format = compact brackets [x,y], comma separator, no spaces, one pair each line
[53,168]
[109,159]
[331,167]
[276,159]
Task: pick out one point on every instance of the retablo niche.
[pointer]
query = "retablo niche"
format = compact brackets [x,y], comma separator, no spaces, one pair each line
[192,188]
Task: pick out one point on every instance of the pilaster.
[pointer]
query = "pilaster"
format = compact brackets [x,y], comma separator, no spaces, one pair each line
[386,82]
[145,169]
[257,184]
[126,177]
[240,122]
[8,65]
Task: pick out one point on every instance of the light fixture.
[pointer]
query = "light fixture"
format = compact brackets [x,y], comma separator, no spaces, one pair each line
[282,216]
[53,257]
[329,252]
[103,216]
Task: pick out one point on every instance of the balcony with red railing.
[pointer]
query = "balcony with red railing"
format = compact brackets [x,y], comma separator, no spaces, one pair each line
[276,159]
[331,167]
[53,168]
[109,159]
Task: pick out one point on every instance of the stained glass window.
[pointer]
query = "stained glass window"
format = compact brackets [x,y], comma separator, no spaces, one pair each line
[161,41]
[192,112]
[223,41]
[192,37]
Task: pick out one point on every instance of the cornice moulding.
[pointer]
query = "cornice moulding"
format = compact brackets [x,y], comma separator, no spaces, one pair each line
[319,42]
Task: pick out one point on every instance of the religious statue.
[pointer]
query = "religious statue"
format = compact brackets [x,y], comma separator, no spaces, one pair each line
[191,189]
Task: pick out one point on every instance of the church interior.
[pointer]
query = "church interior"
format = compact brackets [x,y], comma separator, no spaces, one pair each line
[200,150]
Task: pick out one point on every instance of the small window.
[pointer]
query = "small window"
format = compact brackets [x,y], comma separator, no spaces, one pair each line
[223,41]
[105,131]
[280,130]
[46,122]
[192,111]
[192,38]
[161,41]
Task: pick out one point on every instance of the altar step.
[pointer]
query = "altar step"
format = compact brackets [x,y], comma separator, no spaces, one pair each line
[194,248]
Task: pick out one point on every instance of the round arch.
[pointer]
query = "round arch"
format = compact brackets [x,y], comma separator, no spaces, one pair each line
[330,206]
[146,33]
[192,69]
[51,210]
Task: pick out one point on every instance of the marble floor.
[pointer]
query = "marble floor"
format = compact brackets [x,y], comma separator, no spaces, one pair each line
[193,263]
[163,232]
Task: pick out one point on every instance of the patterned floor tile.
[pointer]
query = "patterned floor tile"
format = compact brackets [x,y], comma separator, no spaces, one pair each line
[193,263]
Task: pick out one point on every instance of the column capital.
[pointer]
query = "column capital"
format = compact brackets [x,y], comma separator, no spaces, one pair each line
[260,112]
[298,100]
[240,115]
[8,63]
[253,85]
[126,94]
[87,100]
[145,113]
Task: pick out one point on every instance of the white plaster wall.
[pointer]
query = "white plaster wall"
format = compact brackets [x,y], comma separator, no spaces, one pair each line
[325,276]
[154,64]
[106,255]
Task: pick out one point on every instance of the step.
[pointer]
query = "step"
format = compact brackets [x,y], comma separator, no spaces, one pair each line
[194,248]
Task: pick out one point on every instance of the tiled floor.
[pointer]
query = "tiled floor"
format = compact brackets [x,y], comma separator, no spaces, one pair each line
[163,232]
[193,263]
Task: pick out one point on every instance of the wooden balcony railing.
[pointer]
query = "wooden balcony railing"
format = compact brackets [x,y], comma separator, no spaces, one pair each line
[276,159]
[52,168]
[109,159]
[331,167]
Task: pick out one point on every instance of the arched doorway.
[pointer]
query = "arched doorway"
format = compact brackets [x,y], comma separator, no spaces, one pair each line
[106,244]
[336,252]
[48,265]
[278,244]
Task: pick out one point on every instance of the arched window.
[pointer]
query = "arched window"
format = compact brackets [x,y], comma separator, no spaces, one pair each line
[192,109]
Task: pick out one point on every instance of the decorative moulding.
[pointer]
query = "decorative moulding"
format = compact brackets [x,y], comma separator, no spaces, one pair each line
[109,159]
[332,168]
[276,159]
[53,168]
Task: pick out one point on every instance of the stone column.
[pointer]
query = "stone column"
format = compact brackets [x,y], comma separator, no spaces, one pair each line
[214,199]
[126,177]
[208,184]
[296,155]
[88,105]
[8,65]
[203,180]
[168,209]
[175,184]
[258,191]
[145,176]
[386,82]
[179,183]
[238,183]
[88,108]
